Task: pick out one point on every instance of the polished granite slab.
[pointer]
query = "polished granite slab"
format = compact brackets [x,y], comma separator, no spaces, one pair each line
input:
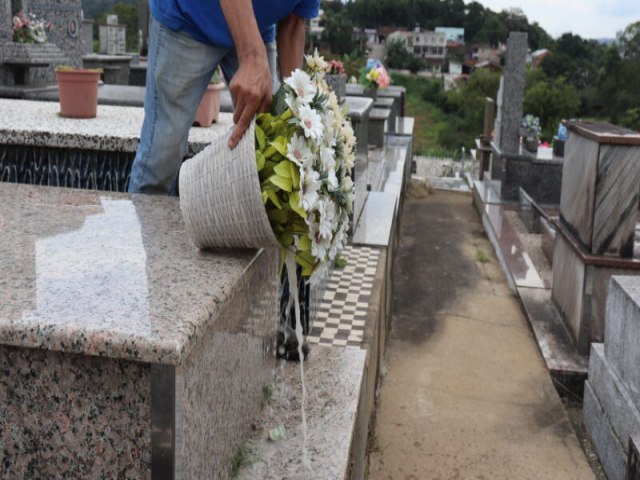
[107,274]
[404,126]
[335,384]
[520,269]
[376,222]
[31,123]
[121,344]
[379,126]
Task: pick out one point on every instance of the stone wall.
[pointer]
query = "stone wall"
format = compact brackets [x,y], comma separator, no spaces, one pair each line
[612,392]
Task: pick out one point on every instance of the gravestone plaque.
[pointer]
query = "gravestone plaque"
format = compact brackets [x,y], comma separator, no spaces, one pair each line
[87,36]
[112,37]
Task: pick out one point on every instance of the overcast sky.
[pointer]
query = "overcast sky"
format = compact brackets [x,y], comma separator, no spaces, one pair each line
[587,18]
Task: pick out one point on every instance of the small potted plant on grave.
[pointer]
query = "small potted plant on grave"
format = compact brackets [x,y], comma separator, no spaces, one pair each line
[209,107]
[336,78]
[78,90]
[374,76]
[530,131]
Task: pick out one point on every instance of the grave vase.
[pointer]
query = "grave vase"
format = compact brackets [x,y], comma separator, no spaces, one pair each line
[337,83]
[531,144]
[371,93]
[209,107]
[78,89]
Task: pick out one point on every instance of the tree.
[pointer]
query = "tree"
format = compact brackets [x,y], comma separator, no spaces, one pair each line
[473,21]
[397,54]
[629,42]
[338,29]
[551,100]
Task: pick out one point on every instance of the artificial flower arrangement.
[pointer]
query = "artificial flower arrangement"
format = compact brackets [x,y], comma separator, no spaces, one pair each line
[374,75]
[530,131]
[29,29]
[335,67]
[305,151]
[530,126]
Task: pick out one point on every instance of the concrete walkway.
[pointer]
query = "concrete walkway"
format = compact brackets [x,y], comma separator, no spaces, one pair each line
[466,395]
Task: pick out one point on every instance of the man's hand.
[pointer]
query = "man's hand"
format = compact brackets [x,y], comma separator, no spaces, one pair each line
[251,85]
[251,93]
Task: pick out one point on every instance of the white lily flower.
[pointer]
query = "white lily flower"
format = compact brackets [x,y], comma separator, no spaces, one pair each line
[302,85]
[311,123]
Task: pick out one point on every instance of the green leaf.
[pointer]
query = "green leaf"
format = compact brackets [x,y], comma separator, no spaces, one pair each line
[307,262]
[283,170]
[270,151]
[294,203]
[286,239]
[278,103]
[283,183]
[261,137]
[304,243]
[278,216]
[274,198]
[260,161]
[280,144]
[265,197]
[295,176]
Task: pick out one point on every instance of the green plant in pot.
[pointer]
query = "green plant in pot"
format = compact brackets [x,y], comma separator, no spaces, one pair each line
[209,107]
[78,90]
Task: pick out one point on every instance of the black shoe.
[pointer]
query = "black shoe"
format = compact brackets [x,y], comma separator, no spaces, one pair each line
[288,345]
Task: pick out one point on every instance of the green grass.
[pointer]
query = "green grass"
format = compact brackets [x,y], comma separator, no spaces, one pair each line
[481,256]
[242,458]
[430,120]
[267,395]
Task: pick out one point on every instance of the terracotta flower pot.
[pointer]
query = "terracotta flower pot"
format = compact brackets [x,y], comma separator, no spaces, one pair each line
[209,107]
[78,92]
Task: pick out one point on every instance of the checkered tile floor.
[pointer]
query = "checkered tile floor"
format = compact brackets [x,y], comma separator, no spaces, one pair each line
[342,313]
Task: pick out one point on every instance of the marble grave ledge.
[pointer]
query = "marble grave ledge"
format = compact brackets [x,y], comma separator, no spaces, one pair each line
[125,352]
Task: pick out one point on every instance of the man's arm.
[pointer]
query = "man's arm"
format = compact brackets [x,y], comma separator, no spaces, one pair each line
[251,85]
[290,39]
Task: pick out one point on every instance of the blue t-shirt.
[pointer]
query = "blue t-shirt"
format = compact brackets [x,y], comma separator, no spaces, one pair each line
[204,20]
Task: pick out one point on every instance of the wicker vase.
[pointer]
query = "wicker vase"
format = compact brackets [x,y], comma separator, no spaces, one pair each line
[220,196]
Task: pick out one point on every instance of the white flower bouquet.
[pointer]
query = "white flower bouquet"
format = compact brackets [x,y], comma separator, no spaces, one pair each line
[304,154]
[301,193]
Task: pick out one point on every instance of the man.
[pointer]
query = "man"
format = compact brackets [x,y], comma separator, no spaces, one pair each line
[188,40]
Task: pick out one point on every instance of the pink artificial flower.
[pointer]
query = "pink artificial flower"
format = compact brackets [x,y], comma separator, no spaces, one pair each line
[383,78]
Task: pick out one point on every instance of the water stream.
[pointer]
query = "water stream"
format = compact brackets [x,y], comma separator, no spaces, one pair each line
[290,263]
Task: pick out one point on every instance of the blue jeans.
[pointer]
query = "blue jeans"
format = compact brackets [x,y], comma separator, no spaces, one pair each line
[178,71]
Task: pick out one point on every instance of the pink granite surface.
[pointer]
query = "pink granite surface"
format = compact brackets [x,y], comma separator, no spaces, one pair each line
[70,416]
[107,274]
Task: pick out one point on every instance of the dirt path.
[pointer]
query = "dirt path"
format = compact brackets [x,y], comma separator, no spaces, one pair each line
[466,395]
